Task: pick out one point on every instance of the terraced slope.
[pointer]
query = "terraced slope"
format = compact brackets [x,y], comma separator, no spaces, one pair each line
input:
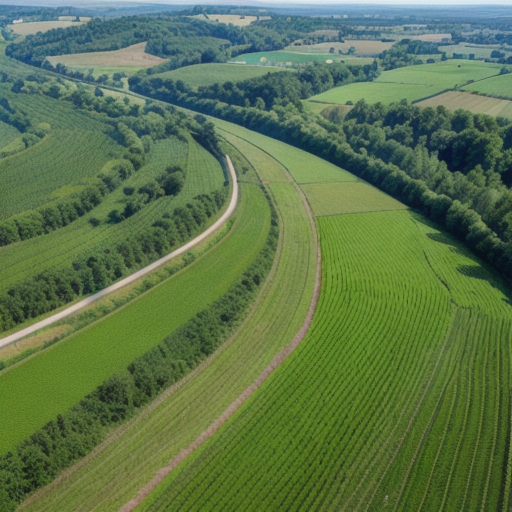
[397,399]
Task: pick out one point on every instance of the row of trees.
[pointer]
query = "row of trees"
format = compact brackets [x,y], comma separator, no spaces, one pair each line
[97,269]
[328,141]
[37,461]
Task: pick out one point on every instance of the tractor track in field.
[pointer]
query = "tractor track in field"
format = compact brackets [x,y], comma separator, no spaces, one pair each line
[249,391]
[136,275]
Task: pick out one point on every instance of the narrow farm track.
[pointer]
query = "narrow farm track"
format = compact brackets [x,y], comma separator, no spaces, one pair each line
[136,275]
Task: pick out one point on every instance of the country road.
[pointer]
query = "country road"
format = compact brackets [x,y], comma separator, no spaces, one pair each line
[133,277]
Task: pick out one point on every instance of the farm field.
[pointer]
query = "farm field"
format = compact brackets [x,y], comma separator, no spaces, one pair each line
[500,86]
[454,100]
[77,145]
[480,51]
[412,83]
[233,19]
[361,46]
[7,134]
[133,57]
[397,398]
[61,247]
[355,197]
[198,75]
[133,455]
[26,29]
[69,370]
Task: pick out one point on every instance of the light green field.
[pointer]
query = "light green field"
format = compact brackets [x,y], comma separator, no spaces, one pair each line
[131,457]
[38,389]
[304,167]
[285,58]
[207,74]
[398,398]
[495,86]
[412,83]
[76,148]
[354,197]
[7,134]
[361,46]
[61,247]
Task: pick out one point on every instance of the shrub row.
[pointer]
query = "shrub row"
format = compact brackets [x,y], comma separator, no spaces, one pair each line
[96,270]
[73,434]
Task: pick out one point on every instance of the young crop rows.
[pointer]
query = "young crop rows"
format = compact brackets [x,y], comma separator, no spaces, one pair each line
[397,398]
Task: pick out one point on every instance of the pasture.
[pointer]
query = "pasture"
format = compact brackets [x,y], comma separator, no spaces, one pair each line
[412,83]
[500,86]
[133,57]
[480,51]
[353,197]
[61,247]
[475,103]
[199,75]
[33,27]
[361,47]
[283,58]
[49,383]
[132,455]
[397,398]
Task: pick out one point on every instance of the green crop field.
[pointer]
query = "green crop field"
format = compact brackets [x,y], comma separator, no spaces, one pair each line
[76,148]
[61,247]
[480,51]
[398,397]
[42,387]
[412,83]
[361,47]
[131,457]
[208,74]
[500,85]
[7,134]
[476,103]
[353,197]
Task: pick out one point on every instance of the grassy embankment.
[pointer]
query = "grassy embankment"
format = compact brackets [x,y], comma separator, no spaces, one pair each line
[397,398]
[412,83]
[148,442]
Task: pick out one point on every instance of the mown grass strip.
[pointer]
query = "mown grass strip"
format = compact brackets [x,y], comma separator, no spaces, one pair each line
[130,459]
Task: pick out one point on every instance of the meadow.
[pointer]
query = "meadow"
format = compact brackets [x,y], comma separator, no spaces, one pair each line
[395,399]
[282,58]
[199,75]
[412,83]
[89,357]
[134,453]
[475,103]
[500,86]
[8,133]
[61,247]
[480,51]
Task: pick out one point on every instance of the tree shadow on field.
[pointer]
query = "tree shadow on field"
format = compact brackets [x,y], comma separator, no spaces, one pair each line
[474,271]
[443,238]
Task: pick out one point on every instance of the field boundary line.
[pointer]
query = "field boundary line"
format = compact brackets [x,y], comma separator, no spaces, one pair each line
[278,359]
[136,275]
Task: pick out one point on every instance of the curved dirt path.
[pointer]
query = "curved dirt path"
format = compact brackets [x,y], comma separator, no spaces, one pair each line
[136,275]
[246,394]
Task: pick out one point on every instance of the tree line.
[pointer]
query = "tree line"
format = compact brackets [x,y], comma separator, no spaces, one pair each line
[73,434]
[97,269]
[329,141]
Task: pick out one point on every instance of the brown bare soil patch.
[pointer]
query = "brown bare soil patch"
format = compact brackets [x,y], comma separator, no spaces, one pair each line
[431,38]
[234,19]
[25,29]
[475,103]
[134,55]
